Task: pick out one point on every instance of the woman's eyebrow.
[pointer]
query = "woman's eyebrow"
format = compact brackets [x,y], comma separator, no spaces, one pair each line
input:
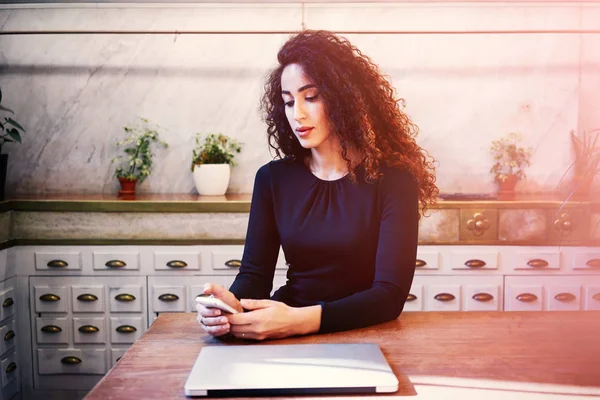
[303,88]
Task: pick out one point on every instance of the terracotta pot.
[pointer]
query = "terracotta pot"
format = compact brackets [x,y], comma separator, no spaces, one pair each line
[127,186]
[506,189]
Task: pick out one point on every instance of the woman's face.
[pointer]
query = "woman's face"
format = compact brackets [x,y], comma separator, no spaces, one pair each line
[304,108]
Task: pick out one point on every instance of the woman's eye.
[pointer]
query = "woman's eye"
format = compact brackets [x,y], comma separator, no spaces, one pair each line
[289,103]
[312,98]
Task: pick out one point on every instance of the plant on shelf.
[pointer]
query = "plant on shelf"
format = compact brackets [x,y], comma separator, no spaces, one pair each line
[212,160]
[510,161]
[136,166]
[10,132]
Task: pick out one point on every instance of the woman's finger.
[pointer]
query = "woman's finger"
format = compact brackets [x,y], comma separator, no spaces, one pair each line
[214,321]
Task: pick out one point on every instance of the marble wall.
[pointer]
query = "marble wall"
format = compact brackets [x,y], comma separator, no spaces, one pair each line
[74,92]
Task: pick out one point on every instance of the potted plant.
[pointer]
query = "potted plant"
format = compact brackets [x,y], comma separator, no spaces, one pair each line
[510,160]
[137,164]
[9,133]
[212,160]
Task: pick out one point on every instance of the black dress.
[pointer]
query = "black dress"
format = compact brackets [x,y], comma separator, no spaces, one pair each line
[351,247]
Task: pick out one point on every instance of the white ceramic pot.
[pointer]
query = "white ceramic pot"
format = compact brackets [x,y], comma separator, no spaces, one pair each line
[212,179]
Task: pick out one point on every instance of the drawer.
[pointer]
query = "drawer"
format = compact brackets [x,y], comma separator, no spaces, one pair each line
[8,336]
[592,297]
[427,260]
[116,261]
[126,329]
[87,298]
[482,298]
[116,354]
[586,260]
[536,260]
[443,298]
[474,261]
[71,361]
[126,298]
[50,298]
[414,301]
[51,330]
[229,260]
[524,297]
[563,298]
[168,298]
[178,261]
[89,330]
[7,303]
[57,261]
[9,369]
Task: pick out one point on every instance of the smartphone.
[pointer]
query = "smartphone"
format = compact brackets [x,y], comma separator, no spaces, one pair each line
[208,300]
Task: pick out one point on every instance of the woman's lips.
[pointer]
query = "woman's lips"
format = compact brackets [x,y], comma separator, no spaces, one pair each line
[304,132]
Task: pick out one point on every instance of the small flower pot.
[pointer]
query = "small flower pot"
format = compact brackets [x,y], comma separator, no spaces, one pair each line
[506,188]
[212,179]
[127,186]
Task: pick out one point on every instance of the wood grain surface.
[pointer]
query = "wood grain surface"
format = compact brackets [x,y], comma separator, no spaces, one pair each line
[532,347]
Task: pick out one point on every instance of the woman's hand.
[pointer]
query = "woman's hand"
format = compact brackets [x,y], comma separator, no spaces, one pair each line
[214,321]
[268,319]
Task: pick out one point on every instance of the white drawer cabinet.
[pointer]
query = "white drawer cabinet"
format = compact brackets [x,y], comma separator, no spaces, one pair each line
[10,335]
[552,293]
[453,293]
[76,326]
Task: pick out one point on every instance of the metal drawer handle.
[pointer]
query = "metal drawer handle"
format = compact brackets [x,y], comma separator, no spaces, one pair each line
[233,263]
[70,360]
[119,359]
[125,297]
[11,367]
[593,263]
[115,264]
[8,302]
[420,263]
[596,296]
[9,335]
[176,264]
[475,263]
[483,297]
[126,329]
[49,297]
[537,263]
[87,297]
[57,264]
[168,297]
[565,297]
[444,297]
[51,329]
[527,297]
[411,297]
[88,329]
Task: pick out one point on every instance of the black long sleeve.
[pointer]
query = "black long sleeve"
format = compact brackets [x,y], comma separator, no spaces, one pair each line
[351,246]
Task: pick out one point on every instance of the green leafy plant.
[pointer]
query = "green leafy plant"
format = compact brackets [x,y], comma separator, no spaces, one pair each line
[510,159]
[9,129]
[137,164]
[215,148]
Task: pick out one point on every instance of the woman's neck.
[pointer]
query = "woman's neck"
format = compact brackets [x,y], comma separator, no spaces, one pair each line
[330,165]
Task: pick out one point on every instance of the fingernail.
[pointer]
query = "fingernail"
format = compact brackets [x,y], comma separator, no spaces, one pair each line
[206,286]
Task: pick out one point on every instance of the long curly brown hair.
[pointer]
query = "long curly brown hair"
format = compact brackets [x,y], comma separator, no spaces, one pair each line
[360,104]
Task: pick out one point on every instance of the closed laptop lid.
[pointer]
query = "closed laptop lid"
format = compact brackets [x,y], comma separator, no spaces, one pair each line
[290,369]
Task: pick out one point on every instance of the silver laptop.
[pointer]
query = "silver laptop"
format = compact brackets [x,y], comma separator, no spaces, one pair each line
[266,370]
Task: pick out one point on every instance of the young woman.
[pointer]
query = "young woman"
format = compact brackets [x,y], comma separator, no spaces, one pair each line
[343,199]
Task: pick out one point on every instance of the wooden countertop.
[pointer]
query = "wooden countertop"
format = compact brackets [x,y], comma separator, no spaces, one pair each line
[468,354]
[240,203]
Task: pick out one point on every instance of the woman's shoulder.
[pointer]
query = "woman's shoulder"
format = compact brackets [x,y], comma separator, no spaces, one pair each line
[395,175]
[275,168]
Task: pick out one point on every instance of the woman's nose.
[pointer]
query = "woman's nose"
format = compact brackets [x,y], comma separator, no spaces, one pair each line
[299,113]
